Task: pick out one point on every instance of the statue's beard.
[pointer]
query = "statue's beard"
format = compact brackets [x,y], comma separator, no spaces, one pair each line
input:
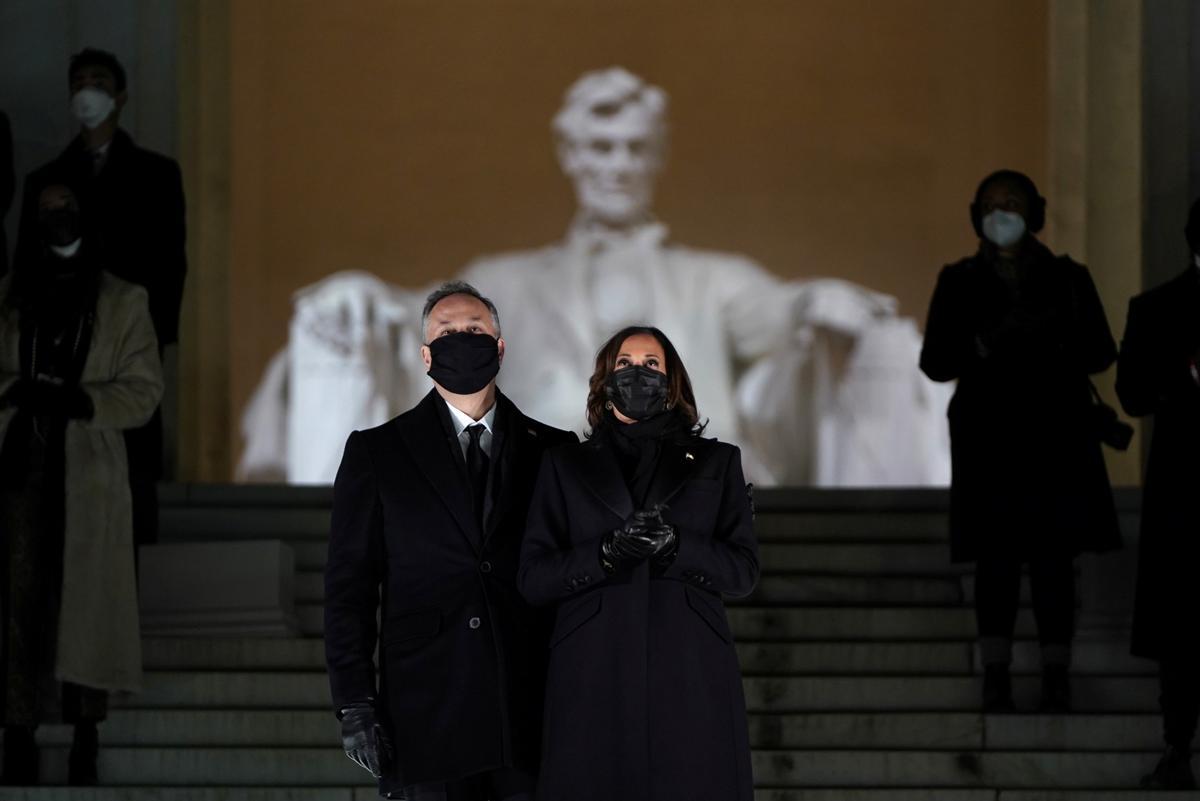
[613,205]
[616,211]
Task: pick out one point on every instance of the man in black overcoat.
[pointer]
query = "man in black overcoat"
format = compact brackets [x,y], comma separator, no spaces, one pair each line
[1157,375]
[133,210]
[429,511]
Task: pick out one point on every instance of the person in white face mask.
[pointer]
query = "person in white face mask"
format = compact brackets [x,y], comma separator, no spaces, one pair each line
[1020,330]
[133,210]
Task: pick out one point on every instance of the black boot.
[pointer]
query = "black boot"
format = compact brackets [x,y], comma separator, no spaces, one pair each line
[1174,772]
[81,765]
[997,690]
[1056,689]
[20,757]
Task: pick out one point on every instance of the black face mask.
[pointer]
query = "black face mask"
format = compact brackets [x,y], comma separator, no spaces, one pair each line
[60,226]
[638,392]
[464,363]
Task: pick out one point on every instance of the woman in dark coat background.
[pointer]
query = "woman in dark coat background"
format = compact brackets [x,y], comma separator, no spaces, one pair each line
[1021,329]
[635,534]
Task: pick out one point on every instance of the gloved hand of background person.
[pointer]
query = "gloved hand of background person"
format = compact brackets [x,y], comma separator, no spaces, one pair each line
[48,399]
[364,740]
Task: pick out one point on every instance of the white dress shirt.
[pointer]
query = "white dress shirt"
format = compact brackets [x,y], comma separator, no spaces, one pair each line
[462,420]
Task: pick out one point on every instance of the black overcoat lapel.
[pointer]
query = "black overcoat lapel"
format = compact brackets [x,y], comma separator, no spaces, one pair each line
[600,473]
[433,450]
[508,448]
[677,462]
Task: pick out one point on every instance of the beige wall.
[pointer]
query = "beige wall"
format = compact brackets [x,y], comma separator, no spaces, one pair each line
[820,137]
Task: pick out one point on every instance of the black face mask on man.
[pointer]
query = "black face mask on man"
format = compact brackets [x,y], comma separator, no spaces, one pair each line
[464,363]
[638,392]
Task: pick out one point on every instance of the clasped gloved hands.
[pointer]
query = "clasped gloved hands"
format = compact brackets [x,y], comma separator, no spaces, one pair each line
[644,536]
[48,399]
[364,740]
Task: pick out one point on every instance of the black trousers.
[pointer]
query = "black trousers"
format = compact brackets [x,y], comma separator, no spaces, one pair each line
[1179,680]
[998,596]
[507,784]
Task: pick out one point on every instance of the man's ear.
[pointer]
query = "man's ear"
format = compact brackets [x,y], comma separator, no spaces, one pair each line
[500,348]
[121,99]
[426,356]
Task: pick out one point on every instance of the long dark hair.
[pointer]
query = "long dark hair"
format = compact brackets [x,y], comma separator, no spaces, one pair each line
[680,398]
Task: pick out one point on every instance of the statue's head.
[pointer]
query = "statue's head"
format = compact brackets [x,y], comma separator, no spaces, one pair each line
[612,141]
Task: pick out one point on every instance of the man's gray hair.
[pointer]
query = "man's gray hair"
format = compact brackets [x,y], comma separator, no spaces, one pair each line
[455,288]
[603,93]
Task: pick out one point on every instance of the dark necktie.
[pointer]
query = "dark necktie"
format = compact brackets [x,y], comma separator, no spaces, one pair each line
[477,470]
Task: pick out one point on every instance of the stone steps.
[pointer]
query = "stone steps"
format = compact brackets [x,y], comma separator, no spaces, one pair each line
[200,689]
[208,653]
[327,766]
[299,728]
[1010,770]
[857,648]
[964,794]
[881,657]
[364,793]
[955,731]
[226,793]
[314,728]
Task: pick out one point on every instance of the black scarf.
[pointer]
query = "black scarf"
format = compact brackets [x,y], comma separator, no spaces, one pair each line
[56,317]
[637,446]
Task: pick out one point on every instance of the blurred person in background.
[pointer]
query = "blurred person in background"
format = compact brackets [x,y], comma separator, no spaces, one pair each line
[1021,330]
[78,367]
[1157,374]
[133,209]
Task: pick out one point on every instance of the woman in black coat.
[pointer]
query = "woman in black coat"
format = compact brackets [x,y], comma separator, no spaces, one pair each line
[635,535]
[1021,329]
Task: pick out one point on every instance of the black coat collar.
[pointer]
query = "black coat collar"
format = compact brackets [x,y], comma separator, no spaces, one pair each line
[429,436]
[601,474]
[1189,279]
[429,439]
[118,148]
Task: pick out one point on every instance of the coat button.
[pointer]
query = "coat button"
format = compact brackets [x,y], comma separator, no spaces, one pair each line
[474,623]
[485,567]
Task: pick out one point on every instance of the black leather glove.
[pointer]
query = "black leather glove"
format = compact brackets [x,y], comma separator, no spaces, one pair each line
[47,399]
[364,740]
[644,536]
[662,534]
[628,545]
[667,548]
[17,394]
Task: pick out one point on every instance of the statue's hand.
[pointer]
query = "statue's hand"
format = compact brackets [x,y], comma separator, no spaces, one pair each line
[841,307]
[345,310]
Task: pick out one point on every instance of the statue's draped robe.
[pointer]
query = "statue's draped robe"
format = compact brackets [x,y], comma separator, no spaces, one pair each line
[807,404]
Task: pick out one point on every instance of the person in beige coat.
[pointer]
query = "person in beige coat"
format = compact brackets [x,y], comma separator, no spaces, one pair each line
[78,366]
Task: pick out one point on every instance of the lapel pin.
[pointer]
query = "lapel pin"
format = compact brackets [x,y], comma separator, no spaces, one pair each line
[689,456]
